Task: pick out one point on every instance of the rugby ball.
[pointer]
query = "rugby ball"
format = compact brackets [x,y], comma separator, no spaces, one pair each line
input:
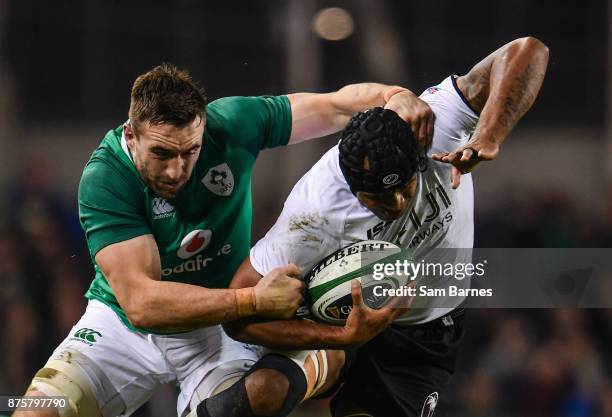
[329,282]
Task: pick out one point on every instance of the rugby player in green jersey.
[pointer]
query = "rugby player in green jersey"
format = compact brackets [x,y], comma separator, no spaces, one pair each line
[165,204]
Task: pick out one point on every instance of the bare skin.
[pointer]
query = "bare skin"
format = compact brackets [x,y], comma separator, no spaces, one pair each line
[316,115]
[502,87]
[165,154]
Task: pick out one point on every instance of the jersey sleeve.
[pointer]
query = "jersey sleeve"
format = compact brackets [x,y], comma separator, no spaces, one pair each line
[109,209]
[296,237]
[310,226]
[252,123]
[455,119]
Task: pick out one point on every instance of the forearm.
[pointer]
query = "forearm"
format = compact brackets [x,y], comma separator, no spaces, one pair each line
[133,270]
[288,334]
[359,97]
[173,306]
[317,115]
[515,77]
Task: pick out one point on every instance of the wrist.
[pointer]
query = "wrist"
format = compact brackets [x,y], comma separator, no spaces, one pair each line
[329,336]
[246,304]
[344,336]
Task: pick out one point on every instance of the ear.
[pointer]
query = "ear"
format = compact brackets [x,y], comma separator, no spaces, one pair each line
[128,133]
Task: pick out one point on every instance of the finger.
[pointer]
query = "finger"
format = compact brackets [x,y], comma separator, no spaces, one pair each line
[398,306]
[452,156]
[397,312]
[414,126]
[290,269]
[466,155]
[356,293]
[439,156]
[423,133]
[400,303]
[386,315]
[487,155]
[430,127]
[455,177]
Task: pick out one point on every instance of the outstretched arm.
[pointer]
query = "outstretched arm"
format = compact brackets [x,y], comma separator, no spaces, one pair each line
[316,115]
[133,269]
[502,87]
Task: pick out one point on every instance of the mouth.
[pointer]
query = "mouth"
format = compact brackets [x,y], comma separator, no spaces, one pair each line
[169,189]
[171,186]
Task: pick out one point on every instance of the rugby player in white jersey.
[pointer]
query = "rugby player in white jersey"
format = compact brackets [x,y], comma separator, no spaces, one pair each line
[347,197]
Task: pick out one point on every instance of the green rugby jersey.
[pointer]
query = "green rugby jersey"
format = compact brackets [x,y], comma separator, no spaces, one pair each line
[205,233]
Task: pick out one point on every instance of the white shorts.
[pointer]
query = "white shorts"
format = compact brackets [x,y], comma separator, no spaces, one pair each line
[124,367]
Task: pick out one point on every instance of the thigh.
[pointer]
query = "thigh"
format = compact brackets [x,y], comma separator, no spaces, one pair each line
[122,367]
[410,392]
[402,372]
[205,360]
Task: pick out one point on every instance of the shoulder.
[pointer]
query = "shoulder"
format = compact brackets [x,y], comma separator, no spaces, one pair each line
[249,122]
[447,96]
[230,107]
[324,188]
[455,120]
[311,223]
[108,175]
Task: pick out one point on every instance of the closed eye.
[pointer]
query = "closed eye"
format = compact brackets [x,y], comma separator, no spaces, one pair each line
[192,151]
[162,153]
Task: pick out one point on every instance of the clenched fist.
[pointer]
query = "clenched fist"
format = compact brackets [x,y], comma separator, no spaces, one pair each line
[278,294]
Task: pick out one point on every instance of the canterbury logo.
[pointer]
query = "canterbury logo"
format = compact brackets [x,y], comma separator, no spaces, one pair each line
[87,334]
[161,206]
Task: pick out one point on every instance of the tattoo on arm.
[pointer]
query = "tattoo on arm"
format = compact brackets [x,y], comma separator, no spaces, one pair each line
[520,98]
[478,89]
[501,74]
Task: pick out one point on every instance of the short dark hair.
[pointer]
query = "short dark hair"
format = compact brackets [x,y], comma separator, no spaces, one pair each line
[166,94]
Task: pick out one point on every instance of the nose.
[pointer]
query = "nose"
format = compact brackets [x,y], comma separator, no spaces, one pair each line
[175,169]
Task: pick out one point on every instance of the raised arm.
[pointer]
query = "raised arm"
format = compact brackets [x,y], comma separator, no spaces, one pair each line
[133,269]
[362,325]
[502,87]
[316,115]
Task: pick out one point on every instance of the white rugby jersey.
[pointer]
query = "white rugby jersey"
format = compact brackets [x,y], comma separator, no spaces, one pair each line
[321,215]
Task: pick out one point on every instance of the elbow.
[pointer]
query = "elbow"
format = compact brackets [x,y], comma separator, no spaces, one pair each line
[136,308]
[535,46]
[135,313]
[235,330]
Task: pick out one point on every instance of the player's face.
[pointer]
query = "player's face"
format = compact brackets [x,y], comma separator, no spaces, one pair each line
[165,154]
[390,205]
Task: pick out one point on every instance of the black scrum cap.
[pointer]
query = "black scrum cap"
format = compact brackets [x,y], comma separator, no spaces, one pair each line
[387,141]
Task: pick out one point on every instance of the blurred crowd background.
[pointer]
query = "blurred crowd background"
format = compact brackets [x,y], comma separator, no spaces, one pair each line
[66,70]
